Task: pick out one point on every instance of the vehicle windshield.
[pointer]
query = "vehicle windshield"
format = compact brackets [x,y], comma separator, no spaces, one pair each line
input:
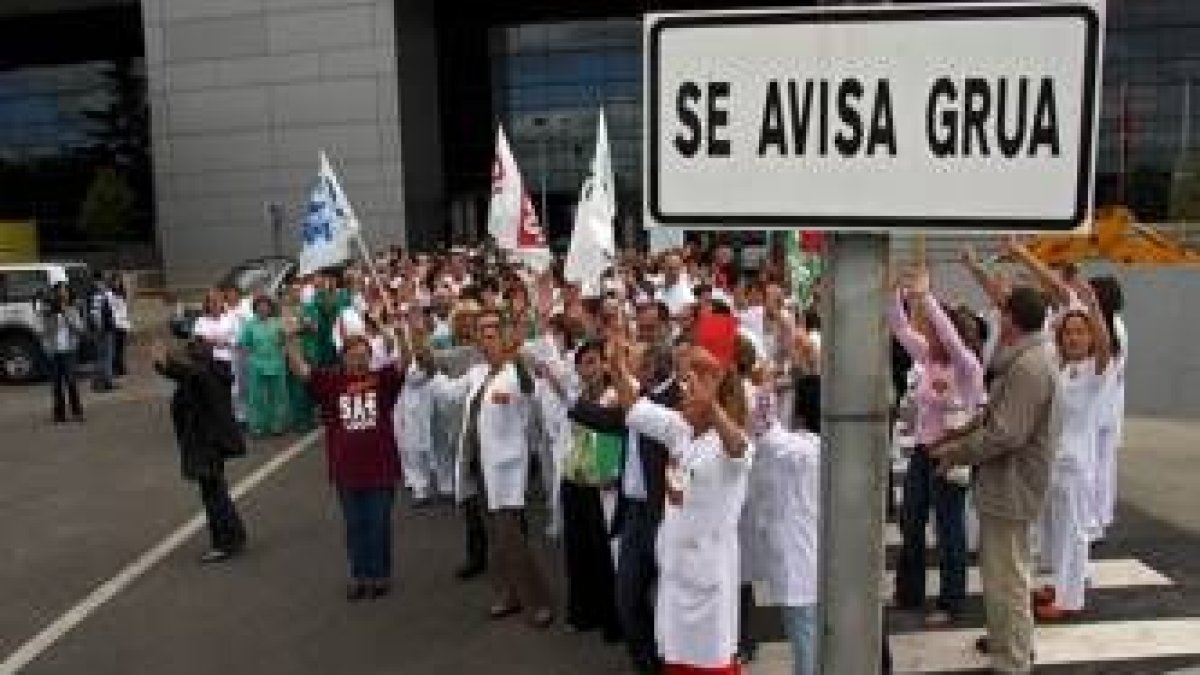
[250,279]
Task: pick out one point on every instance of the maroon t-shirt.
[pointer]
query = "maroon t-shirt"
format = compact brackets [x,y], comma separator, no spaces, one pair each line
[357,412]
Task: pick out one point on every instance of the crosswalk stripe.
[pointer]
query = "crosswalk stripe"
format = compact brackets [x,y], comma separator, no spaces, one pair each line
[1105,574]
[953,650]
[935,651]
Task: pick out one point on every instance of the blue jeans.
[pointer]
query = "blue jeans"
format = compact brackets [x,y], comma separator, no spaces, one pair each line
[800,623]
[102,378]
[924,489]
[65,388]
[368,515]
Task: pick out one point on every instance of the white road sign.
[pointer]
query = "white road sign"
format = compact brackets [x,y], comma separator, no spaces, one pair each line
[953,117]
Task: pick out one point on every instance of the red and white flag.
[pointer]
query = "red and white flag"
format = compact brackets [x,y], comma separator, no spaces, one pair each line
[512,220]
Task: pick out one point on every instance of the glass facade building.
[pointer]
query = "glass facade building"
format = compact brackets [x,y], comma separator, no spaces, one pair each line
[542,68]
[1151,67]
[73,108]
[548,82]
[549,78]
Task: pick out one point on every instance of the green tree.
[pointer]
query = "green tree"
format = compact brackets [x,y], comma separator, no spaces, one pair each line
[110,205]
[119,137]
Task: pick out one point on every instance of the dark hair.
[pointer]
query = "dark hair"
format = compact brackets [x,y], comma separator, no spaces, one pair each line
[263,300]
[1026,306]
[968,328]
[660,309]
[812,320]
[746,356]
[586,348]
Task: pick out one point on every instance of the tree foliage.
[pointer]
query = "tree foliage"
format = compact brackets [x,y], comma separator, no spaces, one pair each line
[110,205]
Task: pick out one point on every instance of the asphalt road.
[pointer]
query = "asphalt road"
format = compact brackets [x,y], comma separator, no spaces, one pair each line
[82,501]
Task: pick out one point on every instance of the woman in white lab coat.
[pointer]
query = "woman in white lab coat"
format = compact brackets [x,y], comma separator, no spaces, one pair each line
[696,610]
[1084,358]
[492,460]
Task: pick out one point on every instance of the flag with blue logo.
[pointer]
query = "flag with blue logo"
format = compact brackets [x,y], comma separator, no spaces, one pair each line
[329,223]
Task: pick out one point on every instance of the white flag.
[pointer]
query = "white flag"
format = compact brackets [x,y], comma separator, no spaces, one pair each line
[593,242]
[512,222]
[329,223]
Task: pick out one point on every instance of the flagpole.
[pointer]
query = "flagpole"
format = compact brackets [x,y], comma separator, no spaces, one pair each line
[383,289]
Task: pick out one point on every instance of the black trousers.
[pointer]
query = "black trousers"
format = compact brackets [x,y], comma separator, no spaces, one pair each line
[476,529]
[65,384]
[637,578]
[120,339]
[225,528]
[591,578]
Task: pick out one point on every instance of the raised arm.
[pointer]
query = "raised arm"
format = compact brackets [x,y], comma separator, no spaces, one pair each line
[296,363]
[167,366]
[965,361]
[903,330]
[1050,281]
[990,284]
[1101,339]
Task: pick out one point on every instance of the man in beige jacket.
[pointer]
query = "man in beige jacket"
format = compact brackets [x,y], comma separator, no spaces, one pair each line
[1011,447]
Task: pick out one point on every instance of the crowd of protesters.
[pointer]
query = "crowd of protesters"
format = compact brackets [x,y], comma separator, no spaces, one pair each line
[669,416]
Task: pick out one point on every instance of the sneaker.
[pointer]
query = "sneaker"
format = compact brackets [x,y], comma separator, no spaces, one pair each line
[469,571]
[378,589]
[355,591]
[215,556]
[542,618]
[1052,613]
[1043,596]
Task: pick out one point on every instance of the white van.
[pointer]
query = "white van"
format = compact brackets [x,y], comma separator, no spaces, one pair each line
[23,286]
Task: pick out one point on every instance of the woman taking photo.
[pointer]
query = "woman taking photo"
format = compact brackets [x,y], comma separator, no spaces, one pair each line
[62,328]
[207,433]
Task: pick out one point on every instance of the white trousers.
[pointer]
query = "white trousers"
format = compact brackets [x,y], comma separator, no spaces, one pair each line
[552,445]
[1104,498]
[1064,538]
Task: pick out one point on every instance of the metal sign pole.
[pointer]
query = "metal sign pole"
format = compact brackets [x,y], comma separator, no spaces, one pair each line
[854,385]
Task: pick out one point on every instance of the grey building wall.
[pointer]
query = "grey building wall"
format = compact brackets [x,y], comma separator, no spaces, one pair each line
[243,95]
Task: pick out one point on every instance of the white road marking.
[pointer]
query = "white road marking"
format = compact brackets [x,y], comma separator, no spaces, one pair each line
[1105,574]
[106,591]
[953,650]
[935,651]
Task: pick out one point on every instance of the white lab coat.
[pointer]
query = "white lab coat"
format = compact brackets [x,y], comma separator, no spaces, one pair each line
[786,523]
[553,427]
[1069,519]
[412,420]
[696,611]
[503,434]
[1108,439]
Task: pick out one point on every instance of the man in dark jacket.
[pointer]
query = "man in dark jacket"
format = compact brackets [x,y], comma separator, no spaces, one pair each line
[639,506]
[208,434]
